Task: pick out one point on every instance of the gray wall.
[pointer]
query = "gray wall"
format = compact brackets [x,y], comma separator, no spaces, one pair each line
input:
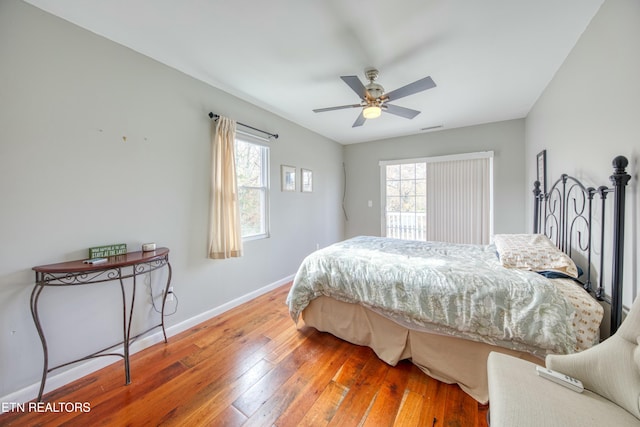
[68,181]
[589,114]
[506,139]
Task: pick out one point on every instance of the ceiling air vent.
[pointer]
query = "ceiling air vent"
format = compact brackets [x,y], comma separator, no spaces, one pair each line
[431,128]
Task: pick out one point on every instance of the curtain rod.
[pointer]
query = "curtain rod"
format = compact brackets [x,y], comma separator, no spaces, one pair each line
[271,135]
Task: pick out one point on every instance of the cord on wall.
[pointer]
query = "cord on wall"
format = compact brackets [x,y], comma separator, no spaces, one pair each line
[344,190]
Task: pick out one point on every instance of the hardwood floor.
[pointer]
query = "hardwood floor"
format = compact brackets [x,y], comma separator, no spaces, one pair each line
[251,366]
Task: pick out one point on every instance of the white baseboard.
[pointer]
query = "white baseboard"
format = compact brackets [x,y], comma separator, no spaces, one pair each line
[82,369]
[189,323]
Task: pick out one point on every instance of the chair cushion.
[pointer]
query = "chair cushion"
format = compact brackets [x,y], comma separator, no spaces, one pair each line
[519,397]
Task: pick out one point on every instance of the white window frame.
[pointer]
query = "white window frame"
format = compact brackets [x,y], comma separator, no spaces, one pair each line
[465,156]
[265,172]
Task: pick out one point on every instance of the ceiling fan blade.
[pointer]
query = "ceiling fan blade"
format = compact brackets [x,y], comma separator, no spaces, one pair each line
[407,113]
[355,84]
[341,107]
[359,121]
[410,89]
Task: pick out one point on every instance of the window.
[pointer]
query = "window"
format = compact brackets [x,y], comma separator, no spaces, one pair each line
[252,172]
[406,202]
[448,198]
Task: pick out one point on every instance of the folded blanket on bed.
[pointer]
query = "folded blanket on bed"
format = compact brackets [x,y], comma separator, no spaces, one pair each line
[451,289]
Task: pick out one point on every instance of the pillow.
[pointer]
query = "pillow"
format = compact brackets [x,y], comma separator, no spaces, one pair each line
[551,274]
[533,252]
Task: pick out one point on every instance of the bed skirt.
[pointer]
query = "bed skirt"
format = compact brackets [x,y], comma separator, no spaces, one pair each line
[447,359]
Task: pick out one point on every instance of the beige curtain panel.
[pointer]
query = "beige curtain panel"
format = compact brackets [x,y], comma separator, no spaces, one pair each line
[225,238]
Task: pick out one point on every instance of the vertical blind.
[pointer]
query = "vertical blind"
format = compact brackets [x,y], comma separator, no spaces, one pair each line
[458,201]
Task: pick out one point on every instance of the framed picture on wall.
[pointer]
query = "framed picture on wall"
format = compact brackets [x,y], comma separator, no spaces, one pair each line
[306,181]
[542,170]
[288,177]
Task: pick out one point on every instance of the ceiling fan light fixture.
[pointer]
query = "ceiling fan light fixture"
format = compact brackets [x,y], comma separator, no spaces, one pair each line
[373,97]
[371,112]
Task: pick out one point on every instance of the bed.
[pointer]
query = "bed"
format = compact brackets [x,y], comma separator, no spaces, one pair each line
[447,306]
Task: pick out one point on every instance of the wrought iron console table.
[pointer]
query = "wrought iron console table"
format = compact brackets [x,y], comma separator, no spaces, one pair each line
[116,268]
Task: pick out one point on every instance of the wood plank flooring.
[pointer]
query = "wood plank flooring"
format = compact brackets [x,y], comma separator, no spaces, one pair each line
[250,366]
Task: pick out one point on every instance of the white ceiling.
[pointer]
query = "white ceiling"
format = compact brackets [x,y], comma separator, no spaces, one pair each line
[490,59]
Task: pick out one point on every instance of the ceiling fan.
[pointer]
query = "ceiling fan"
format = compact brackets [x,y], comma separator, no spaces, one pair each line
[374,100]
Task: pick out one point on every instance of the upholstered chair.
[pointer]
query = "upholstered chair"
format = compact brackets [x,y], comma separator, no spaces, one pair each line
[609,371]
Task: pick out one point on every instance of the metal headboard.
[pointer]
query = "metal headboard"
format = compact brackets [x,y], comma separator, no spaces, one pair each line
[566,215]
